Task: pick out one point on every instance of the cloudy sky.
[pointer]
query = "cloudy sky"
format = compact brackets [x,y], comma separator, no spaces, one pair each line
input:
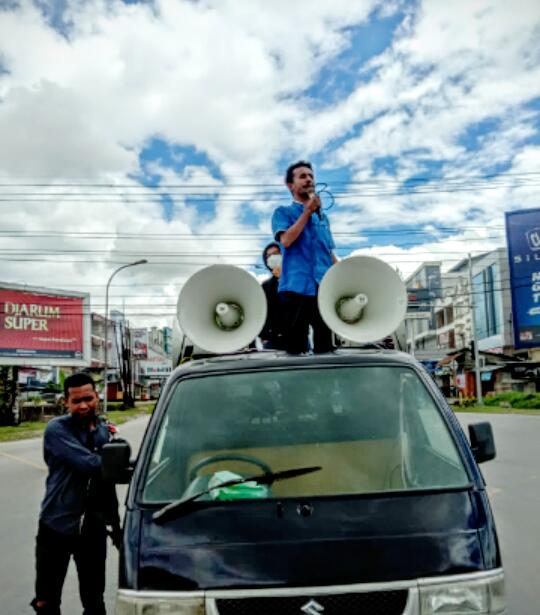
[161,130]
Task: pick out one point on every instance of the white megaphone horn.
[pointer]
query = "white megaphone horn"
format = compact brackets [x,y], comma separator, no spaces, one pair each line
[362,299]
[221,308]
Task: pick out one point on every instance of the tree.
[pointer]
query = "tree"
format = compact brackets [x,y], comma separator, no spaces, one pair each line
[123,347]
[8,394]
[128,401]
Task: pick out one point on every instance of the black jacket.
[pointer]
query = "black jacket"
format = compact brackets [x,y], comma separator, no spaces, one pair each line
[74,484]
[272,332]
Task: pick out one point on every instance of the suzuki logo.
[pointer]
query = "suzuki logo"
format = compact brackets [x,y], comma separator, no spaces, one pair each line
[312,608]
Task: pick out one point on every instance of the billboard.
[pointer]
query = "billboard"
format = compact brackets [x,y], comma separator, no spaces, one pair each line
[157,369]
[523,236]
[139,340]
[40,326]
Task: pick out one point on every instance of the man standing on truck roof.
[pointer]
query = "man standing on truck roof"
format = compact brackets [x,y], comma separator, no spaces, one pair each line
[78,505]
[303,231]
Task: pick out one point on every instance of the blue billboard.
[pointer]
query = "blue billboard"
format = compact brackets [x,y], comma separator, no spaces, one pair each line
[523,236]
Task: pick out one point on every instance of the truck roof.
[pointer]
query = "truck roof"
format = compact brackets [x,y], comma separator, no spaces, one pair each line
[272,358]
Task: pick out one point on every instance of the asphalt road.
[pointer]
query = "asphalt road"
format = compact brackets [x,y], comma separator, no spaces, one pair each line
[513,482]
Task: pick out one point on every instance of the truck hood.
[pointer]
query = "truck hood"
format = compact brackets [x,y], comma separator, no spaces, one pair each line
[319,541]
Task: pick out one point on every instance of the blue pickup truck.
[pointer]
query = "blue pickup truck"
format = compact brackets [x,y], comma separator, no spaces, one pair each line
[325,484]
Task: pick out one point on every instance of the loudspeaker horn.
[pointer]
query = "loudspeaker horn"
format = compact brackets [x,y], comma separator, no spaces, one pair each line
[221,308]
[362,299]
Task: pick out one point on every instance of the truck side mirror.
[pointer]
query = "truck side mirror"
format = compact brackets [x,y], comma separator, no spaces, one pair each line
[482,442]
[115,463]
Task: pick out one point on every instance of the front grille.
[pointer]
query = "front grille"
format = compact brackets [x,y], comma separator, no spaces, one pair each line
[366,603]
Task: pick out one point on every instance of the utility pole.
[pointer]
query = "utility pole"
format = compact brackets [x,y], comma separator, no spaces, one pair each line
[411,332]
[126,352]
[479,398]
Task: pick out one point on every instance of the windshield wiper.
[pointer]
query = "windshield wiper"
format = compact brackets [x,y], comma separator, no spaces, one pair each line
[175,509]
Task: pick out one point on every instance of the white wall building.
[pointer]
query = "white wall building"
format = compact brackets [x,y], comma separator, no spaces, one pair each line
[449,326]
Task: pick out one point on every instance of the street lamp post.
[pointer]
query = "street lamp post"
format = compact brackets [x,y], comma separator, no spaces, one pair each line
[106,370]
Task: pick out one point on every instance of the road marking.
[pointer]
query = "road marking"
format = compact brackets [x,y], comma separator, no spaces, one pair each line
[26,461]
[493,490]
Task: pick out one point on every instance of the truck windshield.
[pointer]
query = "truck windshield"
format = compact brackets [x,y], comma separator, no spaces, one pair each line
[370,429]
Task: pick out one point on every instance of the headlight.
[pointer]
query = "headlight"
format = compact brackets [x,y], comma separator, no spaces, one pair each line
[158,603]
[485,596]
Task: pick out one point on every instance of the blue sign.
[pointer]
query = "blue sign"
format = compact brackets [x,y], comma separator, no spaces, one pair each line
[523,236]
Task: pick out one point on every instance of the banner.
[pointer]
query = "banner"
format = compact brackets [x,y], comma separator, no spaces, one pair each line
[139,340]
[40,327]
[523,236]
[157,369]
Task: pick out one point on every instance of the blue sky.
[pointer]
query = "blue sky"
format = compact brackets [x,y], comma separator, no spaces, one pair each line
[364,41]
[164,129]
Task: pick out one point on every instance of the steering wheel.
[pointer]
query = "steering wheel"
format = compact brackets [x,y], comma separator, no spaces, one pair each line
[228,457]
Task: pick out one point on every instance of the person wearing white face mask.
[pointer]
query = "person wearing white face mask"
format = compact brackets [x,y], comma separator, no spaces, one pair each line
[272,332]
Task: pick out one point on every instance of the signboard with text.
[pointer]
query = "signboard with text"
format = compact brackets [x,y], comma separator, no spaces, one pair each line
[523,236]
[139,340]
[156,369]
[43,327]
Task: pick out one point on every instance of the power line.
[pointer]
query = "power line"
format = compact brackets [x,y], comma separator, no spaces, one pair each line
[360,234]
[182,263]
[206,254]
[140,194]
[500,286]
[417,179]
[374,229]
[227,201]
[161,191]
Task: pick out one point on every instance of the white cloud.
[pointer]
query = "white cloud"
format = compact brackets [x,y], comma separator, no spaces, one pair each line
[448,251]
[44,139]
[450,67]
[79,108]
[226,78]
[213,74]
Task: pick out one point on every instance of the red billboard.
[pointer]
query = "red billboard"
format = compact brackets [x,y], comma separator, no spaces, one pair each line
[42,326]
[139,341]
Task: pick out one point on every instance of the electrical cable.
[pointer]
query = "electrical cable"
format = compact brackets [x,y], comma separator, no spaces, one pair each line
[455,296]
[233,236]
[87,184]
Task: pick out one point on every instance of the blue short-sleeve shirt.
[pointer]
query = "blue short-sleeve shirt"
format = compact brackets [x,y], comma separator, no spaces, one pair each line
[307,259]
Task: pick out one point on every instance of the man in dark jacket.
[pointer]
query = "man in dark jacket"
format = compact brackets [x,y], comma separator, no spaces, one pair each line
[272,332]
[78,505]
